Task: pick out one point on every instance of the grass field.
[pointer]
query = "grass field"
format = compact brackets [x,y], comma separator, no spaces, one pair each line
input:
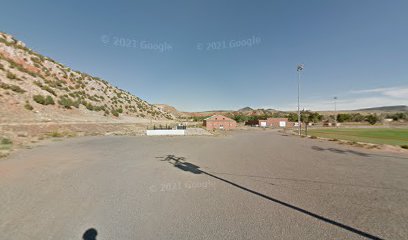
[392,136]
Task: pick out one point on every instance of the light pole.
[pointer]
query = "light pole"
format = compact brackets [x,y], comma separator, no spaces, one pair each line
[335,111]
[299,69]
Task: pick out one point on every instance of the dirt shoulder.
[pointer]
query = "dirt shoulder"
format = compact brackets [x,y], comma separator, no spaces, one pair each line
[22,135]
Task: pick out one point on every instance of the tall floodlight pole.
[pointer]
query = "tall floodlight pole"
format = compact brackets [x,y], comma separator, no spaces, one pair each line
[299,69]
[335,111]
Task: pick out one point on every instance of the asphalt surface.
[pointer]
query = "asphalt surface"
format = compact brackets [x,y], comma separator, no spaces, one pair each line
[246,185]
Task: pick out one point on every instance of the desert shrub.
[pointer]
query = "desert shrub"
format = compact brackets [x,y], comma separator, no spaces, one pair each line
[99,108]
[17,89]
[115,113]
[56,84]
[11,75]
[6,141]
[49,100]
[404,146]
[38,83]
[55,134]
[48,89]
[39,99]
[28,106]
[76,103]
[36,60]
[12,87]
[89,106]
[66,102]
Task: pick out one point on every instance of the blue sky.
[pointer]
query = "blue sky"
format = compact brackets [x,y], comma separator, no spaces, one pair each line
[354,49]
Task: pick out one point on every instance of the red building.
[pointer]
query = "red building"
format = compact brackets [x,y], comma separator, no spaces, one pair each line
[275,123]
[219,122]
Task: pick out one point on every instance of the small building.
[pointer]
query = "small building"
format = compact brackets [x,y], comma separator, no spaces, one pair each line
[219,122]
[262,123]
[329,123]
[275,123]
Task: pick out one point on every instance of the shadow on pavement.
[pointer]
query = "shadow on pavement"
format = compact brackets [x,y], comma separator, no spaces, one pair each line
[341,151]
[90,234]
[180,163]
[362,154]
[308,181]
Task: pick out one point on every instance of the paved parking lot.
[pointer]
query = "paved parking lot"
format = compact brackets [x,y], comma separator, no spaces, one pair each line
[245,185]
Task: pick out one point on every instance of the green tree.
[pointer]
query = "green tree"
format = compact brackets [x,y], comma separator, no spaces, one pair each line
[343,117]
[372,119]
[292,117]
[357,117]
[240,118]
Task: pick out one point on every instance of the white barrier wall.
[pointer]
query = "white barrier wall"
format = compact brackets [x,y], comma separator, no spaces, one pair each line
[164,132]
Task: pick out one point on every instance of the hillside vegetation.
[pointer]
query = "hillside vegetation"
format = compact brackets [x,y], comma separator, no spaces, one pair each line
[36,88]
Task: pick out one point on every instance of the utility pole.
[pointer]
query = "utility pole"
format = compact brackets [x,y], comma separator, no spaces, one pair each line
[299,69]
[335,111]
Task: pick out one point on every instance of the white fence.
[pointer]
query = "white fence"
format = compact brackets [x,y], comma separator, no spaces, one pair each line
[169,132]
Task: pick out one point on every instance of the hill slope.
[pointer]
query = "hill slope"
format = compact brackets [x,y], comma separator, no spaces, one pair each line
[247,111]
[398,108]
[34,88]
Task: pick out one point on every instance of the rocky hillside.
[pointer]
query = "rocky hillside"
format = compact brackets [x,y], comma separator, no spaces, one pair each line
[172,110]
[247,111]
[34,88]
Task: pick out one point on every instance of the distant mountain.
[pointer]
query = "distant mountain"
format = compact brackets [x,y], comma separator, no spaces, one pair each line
[245,109]
[37,88]
[397,108]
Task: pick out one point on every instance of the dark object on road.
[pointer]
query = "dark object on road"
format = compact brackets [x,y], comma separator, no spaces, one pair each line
[179,162]
[90,234]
